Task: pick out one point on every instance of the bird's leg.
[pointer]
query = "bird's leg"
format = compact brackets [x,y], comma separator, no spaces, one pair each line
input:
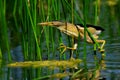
[95,51]
[70,48]
[103,43]
[90,41]
[64,48]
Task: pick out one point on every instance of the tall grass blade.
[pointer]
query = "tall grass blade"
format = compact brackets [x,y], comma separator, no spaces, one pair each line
[4,28]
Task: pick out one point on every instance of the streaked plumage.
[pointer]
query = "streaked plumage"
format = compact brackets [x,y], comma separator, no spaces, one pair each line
[76,30]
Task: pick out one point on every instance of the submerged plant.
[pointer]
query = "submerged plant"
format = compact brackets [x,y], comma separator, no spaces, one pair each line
[50,64]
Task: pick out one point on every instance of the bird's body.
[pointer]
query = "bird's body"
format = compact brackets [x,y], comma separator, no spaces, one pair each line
[74,30]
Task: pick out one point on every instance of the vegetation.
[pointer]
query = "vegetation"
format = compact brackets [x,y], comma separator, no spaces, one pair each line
[18,26]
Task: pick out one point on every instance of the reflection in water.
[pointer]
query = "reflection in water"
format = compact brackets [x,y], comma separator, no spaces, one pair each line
[112,71]
[17,55]
[112,59]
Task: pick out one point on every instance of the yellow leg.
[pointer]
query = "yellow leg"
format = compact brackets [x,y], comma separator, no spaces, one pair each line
[102,46]
[99,41]
[65,47]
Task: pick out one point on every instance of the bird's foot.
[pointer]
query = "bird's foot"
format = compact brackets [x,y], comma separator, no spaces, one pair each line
[101,50]
[64,47]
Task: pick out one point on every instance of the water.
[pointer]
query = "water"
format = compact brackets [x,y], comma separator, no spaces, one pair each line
[112,59]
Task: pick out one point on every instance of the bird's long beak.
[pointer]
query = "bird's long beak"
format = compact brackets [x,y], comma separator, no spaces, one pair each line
[46,24]
[52,23]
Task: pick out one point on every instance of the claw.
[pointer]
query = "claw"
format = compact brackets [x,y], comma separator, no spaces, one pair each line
[101,50]
[64,48]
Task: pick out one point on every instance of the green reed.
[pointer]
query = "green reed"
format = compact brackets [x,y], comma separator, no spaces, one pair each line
[0,56]
[26,14]
[85,7]
[32,17]
[56,10]
[4,29]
